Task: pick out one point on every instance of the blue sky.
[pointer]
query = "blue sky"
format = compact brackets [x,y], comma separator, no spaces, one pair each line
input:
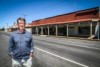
[32,10]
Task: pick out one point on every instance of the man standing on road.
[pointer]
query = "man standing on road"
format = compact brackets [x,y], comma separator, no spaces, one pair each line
[21,46]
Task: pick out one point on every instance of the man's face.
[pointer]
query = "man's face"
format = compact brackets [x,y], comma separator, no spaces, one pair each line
[21,24]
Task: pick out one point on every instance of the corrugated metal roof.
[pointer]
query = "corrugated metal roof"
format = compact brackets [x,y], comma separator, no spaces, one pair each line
[79,16]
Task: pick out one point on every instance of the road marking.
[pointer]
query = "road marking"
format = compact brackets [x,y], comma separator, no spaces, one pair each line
[62,57]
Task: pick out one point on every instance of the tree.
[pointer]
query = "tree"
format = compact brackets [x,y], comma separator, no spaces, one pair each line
[2,29]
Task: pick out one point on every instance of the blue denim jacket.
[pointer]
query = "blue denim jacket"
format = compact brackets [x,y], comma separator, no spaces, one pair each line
[20,45]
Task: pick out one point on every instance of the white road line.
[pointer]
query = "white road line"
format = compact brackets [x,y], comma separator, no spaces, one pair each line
[62,57]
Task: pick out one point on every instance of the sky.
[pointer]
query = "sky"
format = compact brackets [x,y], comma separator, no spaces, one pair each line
[33,10]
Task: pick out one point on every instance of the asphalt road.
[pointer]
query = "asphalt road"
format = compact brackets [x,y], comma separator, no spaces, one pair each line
[57,52]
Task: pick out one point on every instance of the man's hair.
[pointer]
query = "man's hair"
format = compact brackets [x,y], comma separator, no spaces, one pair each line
[22,19]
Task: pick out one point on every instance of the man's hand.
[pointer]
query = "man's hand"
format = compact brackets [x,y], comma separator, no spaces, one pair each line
[31,54]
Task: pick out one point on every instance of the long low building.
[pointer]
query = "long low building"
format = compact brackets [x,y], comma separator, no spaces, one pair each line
[80,23]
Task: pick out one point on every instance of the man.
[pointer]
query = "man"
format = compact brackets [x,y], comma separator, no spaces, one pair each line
[21,46]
